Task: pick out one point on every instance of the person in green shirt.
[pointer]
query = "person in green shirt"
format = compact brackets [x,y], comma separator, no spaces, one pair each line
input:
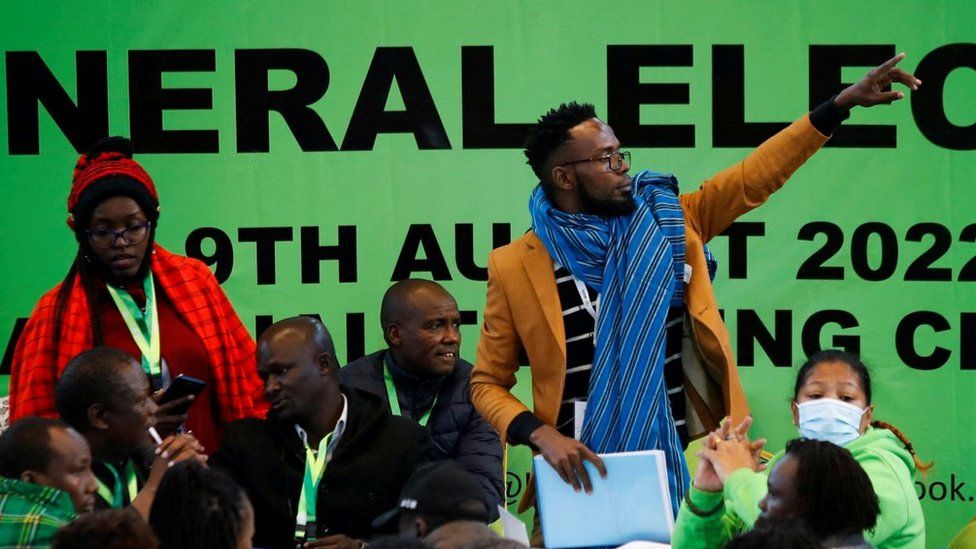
[47,481]
[831,401]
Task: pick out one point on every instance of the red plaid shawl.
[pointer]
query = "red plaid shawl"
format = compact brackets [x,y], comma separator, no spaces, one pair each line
[38,359]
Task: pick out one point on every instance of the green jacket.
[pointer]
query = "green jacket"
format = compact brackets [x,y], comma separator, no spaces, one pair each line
[883,457]
[30,514]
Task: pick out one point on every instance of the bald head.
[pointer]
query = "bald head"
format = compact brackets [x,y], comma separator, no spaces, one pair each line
[299,331]
[296,360]
[400,300]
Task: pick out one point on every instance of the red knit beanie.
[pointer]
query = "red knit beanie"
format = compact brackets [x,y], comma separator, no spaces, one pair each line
[91,168]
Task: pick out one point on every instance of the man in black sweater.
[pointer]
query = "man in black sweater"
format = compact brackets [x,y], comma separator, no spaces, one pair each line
[328,459]
[422,376]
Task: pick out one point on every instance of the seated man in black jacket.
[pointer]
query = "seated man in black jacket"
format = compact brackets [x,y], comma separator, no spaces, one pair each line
[422,376]
[328,459]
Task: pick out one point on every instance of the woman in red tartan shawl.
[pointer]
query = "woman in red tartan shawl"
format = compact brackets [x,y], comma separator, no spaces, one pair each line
[124,290]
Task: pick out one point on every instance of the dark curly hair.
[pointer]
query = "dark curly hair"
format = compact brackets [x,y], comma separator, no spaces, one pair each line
[196,506]
[834,495]
[551,132]
[109,529]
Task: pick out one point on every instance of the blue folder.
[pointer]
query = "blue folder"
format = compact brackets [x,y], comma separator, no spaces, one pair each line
[631,504]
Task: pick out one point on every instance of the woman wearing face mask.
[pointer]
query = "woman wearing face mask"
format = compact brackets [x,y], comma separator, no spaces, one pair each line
[123,290]
[832,402]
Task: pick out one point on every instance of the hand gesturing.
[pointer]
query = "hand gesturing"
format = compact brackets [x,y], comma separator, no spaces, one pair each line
[870,90]
[725,451]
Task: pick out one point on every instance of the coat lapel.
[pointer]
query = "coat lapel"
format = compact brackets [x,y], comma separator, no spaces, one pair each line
[539,268]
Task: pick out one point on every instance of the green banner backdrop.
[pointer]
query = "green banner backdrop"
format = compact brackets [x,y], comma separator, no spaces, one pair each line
[314,151]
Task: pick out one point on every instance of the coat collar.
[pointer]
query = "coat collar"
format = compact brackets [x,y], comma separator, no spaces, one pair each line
[363,411]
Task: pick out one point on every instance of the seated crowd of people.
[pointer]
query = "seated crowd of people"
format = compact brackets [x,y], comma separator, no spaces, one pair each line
[280,445]
[331,465]
[328,466]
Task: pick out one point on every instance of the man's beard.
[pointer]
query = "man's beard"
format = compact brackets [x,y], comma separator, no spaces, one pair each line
[603,206]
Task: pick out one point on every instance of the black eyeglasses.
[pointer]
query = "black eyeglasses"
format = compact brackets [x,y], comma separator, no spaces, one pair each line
[615,161]
[105,238]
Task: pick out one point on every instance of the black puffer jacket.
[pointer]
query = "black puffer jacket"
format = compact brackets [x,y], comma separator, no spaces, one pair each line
[457,431]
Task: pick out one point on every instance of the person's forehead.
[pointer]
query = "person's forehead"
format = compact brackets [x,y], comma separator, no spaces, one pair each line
[282,347]
[430,300]
[833,374]
[117,205]
[133,375]
[783,472]
[591,137]
[67,445]
[828,383]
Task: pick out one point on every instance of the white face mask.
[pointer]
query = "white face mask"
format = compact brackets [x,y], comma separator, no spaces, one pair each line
[830,419]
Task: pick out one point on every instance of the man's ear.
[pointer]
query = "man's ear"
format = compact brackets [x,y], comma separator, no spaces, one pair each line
[421,526]
[326,363]
[563,178]
[393,336]
[31,476]
[96,416]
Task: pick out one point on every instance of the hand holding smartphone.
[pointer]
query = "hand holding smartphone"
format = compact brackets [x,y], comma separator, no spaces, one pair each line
[175,402]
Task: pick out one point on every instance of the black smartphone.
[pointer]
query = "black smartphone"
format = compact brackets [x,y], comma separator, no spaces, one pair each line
[180,387]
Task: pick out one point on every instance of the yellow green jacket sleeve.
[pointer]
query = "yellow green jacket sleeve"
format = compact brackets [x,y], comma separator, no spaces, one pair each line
[710,532]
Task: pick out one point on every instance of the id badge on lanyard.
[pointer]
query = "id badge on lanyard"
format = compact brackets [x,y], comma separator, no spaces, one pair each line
[143,327]
[305,521]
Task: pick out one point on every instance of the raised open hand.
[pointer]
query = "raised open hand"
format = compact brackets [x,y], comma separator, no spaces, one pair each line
[870,90]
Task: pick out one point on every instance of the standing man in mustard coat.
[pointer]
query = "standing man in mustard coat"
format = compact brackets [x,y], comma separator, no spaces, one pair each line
[610,295]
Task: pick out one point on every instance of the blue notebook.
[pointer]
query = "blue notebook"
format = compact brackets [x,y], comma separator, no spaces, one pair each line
[631,504]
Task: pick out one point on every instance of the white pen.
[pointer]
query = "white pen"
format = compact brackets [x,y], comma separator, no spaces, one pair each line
[155,435]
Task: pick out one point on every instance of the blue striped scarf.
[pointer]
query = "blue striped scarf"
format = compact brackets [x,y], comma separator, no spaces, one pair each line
[636,263]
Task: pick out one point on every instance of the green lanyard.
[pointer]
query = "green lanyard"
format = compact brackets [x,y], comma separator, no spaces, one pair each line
[114,496]
[305,528]
[395,402]
[144,327]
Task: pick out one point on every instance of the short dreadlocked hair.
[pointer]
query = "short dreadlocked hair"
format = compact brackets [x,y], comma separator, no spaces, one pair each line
[551,131]
[198,507]
[834,494]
